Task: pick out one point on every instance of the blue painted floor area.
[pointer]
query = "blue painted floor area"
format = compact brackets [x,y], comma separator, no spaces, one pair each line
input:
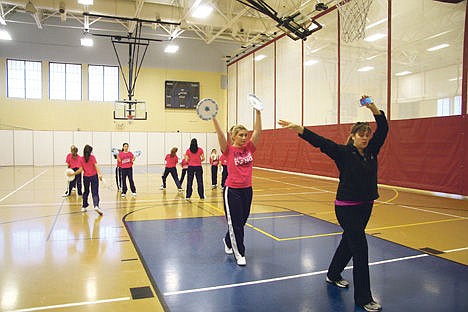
[185,259]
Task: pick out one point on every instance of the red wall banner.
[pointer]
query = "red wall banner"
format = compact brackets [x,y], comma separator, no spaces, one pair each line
[427,154]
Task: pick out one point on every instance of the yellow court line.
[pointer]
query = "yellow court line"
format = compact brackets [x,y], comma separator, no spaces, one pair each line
[390,200]
[263,232]
[308,236]
[277,217]
[414,224]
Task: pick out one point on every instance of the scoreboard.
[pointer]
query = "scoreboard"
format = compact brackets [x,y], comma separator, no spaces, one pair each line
[182,94]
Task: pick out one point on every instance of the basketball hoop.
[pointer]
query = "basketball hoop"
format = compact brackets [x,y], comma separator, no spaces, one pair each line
[353,14]
[130,117]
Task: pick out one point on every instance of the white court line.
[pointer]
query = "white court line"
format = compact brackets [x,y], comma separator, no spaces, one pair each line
[288,194]
[296,185]
[271,280]
[403,206]
[75,304]
[19,188]
[454,250]
[435,212]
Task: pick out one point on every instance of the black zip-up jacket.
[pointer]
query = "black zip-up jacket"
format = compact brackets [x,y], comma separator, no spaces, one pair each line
[358,174]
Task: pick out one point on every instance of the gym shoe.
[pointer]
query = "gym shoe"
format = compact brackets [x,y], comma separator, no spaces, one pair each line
[83,209]
[342,283]
[98,210]
[227,250]
[134,194]
[66,194]
[123,195]
[241,261]
[180,190]
[162,187]
[372,306]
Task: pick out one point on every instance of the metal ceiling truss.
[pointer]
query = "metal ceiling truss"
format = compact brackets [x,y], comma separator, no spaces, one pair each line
[137,45]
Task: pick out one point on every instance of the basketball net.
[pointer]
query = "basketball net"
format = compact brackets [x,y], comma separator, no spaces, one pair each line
[353,14]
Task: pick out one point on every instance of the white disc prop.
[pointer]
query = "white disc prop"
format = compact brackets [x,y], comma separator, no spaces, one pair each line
[255,102]
[207,109]
[138,153]
[115,151]
[70,177]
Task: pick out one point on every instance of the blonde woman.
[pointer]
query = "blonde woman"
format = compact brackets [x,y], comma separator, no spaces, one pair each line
[238,192]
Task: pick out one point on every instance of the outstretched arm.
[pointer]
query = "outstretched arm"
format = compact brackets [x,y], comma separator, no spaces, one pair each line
[221,137]
[257,127]
[289,125]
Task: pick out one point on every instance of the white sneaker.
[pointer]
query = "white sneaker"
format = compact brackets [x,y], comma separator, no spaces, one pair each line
[66,194]
[241,261]
[180,190]
[162,187]
[134,194]
[83,209]
[372,307]
[123,195]
[342,283]
[227,250]
[98,210]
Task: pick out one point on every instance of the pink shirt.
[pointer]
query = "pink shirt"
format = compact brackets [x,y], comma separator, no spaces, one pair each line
[184,164]
[223,160]
[214,160]
[89,168]
[194,159]
[239,163]
[171,162]
[73,162]
[126,159]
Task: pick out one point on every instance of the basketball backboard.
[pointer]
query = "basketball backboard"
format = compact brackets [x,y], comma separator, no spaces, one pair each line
[130,110]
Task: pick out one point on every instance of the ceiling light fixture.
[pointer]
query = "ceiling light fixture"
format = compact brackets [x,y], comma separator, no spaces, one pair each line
[4,35]
[375,37]
[86,40]
[310,62]
[438,47]
[202,11]
[403,73]
[86,2]
[172,48]
[376,23]
[365,69]
[259,57]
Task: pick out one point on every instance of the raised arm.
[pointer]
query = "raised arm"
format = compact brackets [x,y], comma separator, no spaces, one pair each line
[289,125]
[257,127]
[221,137]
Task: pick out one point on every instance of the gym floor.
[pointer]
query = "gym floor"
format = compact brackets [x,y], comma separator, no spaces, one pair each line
[158,252]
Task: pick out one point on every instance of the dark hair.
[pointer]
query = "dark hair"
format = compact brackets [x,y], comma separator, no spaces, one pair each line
[194,146]
[358,127]
[173,151]
[74,151]
[123,145]
[87,152]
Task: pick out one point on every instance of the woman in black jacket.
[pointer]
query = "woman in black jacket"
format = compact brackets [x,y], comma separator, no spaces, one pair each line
[357,190]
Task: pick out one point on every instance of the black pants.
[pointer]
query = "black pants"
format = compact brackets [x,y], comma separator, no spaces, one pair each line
[92,181]
[118,178]
[173,172]
[237,202]
[353,244]
[196,171]
[182,176]
[75,183]
[214,175]
[127,172]
[224,175]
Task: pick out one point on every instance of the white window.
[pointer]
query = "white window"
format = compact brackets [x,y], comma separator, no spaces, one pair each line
[443,107]
[457,105]
[103,83]
[65,81]
[24,79]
